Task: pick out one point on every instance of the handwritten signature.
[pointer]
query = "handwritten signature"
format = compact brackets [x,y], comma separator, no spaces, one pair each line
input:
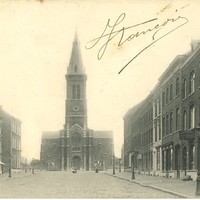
[122,39]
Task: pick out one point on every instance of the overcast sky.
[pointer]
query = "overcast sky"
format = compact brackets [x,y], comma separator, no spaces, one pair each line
[35,46]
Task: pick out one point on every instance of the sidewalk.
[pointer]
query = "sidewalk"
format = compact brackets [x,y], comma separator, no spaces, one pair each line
[15,175]
[182,189]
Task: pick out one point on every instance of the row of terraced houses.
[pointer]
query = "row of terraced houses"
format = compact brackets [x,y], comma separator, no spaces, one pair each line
[162,133]
[10,142]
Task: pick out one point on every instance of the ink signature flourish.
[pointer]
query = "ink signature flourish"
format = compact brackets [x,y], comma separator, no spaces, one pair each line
[113,32]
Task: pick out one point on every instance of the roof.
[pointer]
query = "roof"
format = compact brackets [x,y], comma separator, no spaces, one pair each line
[103,134]
[75,63]
[133,110]
[50,134]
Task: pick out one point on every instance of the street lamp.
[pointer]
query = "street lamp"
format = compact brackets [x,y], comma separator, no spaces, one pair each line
[113,164]
[105,161]
[33,171]
[113,159]
[119,164]
[10,166]
[25,165]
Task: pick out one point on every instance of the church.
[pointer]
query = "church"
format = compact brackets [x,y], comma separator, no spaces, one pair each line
[76,146]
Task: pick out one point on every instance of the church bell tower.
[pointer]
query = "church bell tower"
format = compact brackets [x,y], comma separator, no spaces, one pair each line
[75,129]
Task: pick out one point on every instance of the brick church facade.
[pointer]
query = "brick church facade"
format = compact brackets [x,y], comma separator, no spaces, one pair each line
[76,146]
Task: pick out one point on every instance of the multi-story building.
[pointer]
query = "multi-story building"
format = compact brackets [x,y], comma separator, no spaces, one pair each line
[175,121]
[10,141]
[76,146]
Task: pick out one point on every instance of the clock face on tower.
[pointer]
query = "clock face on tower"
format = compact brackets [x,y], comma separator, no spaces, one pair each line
[75,108]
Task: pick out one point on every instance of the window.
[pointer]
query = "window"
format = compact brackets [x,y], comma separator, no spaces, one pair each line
[76,92]
[171,92]
[163,126]
[171,122]
[192,117]
[167,95]
[177,119]
[177,86]
[159,129]
[155,128]
[159,110]
[184,121]
[155,106]
[184,89]
[192,83]
[167,124]
[163,98]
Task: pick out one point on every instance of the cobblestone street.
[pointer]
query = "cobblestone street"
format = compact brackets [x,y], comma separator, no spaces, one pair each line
[68,185]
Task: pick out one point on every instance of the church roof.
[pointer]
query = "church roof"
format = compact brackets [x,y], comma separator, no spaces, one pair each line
[50,134]
[76,63]
[103,134]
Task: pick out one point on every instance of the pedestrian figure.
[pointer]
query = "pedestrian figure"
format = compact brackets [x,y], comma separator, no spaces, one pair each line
[74,170]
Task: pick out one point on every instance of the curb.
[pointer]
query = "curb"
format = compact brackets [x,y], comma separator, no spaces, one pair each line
[152,187]
[14,177]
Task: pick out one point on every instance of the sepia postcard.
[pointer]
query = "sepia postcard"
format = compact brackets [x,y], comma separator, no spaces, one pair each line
[99,99]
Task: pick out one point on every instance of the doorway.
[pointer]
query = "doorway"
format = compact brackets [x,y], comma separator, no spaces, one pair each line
[177,160]
[76,162]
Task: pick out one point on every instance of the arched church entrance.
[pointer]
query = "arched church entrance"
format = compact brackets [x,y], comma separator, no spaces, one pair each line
[76,162]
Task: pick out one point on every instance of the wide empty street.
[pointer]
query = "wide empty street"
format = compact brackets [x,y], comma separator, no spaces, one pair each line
[68,185]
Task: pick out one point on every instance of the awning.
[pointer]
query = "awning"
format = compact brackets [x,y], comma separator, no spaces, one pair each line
[1,163]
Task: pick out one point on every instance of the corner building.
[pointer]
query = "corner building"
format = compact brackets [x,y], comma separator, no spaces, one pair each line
[175,120]
[80,147]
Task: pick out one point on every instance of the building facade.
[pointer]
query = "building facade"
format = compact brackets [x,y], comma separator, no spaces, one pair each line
[10,142]
[165,127]
[76,146]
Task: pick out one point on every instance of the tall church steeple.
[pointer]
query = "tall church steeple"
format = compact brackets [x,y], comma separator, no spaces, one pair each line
[76,63]
[76,103]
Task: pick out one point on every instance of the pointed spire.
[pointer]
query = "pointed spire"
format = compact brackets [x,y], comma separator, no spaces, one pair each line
[75,64]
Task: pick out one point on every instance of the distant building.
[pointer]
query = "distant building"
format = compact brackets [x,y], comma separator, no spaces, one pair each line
[10,141]
[76,146]
[163,131]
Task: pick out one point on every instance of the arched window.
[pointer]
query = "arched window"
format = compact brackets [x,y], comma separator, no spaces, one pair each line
[184,121]
[192,82]
[167,124]
[74,92]
[167,95]
[177,119]
[78,92]
[177,86]
[192,117]
[163,126]
[171,92]
[184,88]
[171,122]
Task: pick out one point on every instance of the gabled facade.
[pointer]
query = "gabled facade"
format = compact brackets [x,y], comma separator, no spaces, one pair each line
[77,146]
